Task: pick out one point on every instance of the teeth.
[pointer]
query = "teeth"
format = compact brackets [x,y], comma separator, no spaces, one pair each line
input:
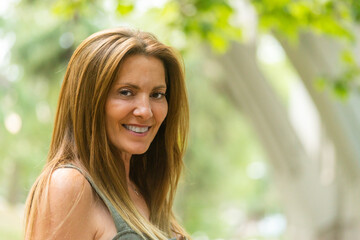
[136,129]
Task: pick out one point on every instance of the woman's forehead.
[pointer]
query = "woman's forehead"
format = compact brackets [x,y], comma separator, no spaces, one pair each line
[140,69]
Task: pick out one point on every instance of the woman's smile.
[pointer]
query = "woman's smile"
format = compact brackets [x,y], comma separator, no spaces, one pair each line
[138,129]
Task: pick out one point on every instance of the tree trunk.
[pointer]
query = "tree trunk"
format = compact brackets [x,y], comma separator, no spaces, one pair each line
[315,210]
[312,57]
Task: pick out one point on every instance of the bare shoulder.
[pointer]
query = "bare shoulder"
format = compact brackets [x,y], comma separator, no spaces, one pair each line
[67,183]
[70,192]
[67,212]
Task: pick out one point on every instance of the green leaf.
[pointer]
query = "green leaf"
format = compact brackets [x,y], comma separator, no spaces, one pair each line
[348,57]
[341,90]
[124,9]
[218,43]
[65,9]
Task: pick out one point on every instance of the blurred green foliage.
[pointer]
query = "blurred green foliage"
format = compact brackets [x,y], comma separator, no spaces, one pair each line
[222,147]
[44,43]
[290,17]
[335,18]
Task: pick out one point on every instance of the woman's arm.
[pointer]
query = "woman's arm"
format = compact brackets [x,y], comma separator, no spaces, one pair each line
[67,211]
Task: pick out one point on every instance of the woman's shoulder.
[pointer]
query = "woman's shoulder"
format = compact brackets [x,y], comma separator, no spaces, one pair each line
[68,184]
[68,205]
[70,192]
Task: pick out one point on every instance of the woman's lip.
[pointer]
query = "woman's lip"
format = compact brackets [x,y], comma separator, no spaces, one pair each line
[137,130]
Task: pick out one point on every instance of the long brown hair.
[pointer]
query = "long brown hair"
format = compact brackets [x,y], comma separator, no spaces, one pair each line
[79,135]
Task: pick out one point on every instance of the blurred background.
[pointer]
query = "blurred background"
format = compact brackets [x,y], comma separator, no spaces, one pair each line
[274,146]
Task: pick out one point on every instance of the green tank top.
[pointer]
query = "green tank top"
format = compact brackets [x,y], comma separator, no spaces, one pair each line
[124,232]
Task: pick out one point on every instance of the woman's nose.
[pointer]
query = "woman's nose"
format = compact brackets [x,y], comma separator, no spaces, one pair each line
[143,108]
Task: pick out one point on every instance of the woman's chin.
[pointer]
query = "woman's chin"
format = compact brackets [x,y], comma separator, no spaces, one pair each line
[139,151]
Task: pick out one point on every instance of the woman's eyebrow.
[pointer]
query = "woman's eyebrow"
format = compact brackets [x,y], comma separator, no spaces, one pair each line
[137,87]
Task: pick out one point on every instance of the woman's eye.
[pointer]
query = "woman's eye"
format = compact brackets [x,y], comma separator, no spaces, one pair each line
[158,95]
[125,92]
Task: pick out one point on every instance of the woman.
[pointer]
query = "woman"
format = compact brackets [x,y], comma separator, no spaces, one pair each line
[119,137]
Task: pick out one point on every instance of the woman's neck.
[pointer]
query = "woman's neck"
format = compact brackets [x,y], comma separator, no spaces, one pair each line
[126,157]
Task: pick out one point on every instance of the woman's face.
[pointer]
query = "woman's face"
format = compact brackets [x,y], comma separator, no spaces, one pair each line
[136,105]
